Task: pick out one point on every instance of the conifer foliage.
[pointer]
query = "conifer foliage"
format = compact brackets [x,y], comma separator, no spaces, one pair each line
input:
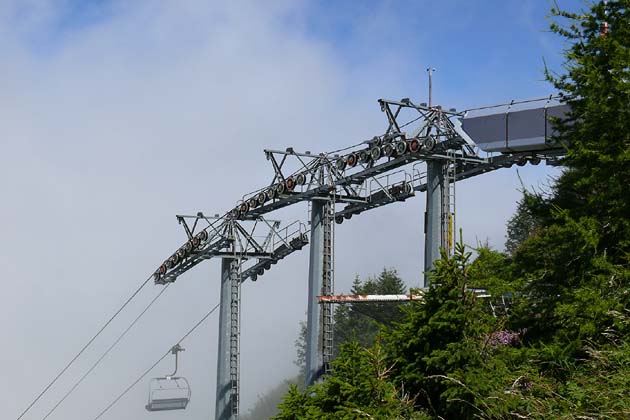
[596,85]
[561,347]
[360,321]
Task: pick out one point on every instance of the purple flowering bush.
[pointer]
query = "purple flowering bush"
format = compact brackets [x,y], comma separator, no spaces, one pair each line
[505,338]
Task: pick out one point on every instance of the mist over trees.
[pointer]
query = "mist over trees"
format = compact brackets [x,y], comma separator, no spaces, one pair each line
[553,342]
[267,404]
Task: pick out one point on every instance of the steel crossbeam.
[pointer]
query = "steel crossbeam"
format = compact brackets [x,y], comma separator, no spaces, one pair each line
[230,238]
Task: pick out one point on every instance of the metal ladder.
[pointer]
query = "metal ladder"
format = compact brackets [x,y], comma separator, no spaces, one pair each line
[448,202]
[328,285]
[235,332]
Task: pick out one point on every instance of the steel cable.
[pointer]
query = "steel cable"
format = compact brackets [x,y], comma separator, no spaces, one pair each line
[411,122]
[365,141]
[547,98]
[146,372]
[84,348]
[120,337]
[346,148]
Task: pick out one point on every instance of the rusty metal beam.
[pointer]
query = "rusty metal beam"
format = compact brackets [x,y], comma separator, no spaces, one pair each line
[369,298]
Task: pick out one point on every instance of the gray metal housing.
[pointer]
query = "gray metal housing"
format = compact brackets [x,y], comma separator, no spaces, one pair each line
[515,131]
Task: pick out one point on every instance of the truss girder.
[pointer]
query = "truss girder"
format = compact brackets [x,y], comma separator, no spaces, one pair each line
[231,239]
[320,176]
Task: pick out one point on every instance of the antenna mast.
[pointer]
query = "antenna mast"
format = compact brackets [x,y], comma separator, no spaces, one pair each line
[430,71]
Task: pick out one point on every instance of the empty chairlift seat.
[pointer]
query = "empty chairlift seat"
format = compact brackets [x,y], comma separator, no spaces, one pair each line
[168,393]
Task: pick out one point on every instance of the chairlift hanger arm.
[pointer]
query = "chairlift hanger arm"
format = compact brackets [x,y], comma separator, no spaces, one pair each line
[175,350]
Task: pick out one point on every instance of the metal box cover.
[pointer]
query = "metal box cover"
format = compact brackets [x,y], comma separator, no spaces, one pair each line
[510,131]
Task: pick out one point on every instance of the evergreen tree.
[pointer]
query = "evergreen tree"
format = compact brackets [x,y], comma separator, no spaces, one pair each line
[361,321]
[437,339]
[358,388]
[521,225]
[596,85]
[575,267]
[490,270]
[300,349]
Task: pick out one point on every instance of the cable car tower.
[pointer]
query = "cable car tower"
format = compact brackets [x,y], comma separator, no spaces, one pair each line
[441,148]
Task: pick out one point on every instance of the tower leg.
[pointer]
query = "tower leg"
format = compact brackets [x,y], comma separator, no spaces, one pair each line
[314,359]
[226,406]
[433,218]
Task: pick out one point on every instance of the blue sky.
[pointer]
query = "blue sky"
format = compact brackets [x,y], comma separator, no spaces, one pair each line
[484,51]
[118,115]
[496,47]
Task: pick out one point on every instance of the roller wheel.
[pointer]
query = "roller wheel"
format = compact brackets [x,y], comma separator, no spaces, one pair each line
[352,160]
[364,156]
[428,144]
[401,147]
[389,150]
[375,153]
[290,183]
[414,145]
[261,198]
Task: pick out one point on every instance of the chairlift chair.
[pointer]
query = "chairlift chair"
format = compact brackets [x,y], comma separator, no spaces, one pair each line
[169,392]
